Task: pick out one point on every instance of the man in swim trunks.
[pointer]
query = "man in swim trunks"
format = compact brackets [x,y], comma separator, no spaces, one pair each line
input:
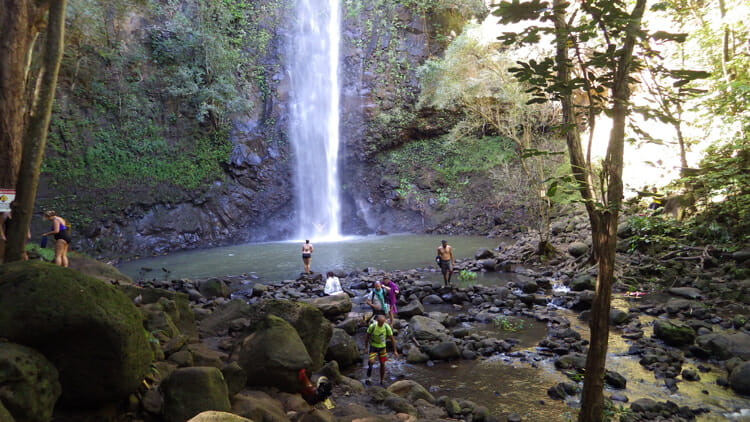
[446,261]
[375,342]
[307,250]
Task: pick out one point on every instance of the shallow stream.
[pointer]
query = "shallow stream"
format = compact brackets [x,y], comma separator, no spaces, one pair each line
[504,384]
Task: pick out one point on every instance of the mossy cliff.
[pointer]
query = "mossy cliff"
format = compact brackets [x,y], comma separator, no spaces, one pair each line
[169,127]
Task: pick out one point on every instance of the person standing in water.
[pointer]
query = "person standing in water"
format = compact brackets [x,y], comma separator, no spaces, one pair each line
[307,250]
[375,341]
[446,261]
[61,230]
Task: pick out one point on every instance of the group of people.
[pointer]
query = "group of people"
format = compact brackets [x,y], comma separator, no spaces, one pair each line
[382,300]
[60,230]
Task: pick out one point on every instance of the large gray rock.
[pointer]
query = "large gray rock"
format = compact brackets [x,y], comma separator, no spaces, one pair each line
[725,346]
[89,330]
[190,391]
[446,350]
[483,253]
[29,385]
[411,309]
[311,325]
[213,287]
[427,329]
[583,282]
[342,348]
[332,306]
[675,305]
[411,391]
[273,355]
[739,380]
[258,406]
[686,292]
[673,334]
[578,249]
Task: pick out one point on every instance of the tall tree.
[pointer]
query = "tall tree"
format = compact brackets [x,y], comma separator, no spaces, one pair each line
[594,59]
[26,103]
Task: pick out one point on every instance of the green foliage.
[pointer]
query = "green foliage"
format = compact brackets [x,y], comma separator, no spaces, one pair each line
[506,323]
[466,276]
[46,254]
[721,191]
[648,231]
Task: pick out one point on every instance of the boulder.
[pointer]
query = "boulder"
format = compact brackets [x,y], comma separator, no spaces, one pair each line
[446,350]
[578,249]
[273,355]
[89,330]
[432,300]
[332,306]
[487,264]
[175,304]
[214,416]
[427,329]
[529,287]
[411,309]
[644,405]
[213,288]
[349,325]
[258,406]
[235,377]
[686,292]
[483,253]
[673,334]
[725,346]
[29,385]
[618,316]
[342,348]
[614,379]
[582,282]
[416,356]
[190,391]
[739,379]
[313,328]
[674,305]
[309,322]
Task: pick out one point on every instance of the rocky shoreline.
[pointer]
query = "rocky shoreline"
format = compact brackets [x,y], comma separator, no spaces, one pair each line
[234,345]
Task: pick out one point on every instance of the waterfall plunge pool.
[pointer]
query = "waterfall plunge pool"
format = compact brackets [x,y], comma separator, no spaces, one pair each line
[274,261]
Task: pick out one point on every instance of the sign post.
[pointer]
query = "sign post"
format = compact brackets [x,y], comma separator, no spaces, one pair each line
[6,197]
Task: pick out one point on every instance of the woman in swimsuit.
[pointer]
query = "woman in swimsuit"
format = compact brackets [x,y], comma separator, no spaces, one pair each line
[60,230]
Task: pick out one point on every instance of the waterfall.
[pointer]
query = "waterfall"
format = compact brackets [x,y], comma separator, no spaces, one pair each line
[313,67]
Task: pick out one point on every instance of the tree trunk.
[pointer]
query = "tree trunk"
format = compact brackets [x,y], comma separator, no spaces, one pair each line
[20,20]
[35,133]
[605,236]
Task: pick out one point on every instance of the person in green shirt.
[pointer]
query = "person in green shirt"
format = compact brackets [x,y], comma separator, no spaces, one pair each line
[375,342]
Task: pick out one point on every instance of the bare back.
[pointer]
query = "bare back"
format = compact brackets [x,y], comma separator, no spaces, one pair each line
[307,248]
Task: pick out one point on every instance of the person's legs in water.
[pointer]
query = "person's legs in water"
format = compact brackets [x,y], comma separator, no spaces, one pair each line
[383,358]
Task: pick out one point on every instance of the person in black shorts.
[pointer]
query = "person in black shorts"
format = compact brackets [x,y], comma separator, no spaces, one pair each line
[446,261]
[61,231]
[307,250]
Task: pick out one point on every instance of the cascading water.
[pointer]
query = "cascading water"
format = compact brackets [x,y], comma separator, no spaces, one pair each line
[314,121]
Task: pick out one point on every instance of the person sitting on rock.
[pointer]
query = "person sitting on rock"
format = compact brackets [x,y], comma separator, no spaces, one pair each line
[333,285]
[375,344]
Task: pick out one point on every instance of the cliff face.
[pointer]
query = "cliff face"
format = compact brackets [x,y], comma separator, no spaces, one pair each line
[169,130]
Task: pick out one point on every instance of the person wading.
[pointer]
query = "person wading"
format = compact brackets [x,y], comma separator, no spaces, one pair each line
[446,261]
[375,342]
[307,250]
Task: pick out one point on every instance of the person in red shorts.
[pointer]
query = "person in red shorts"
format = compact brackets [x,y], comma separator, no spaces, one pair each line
[375,342]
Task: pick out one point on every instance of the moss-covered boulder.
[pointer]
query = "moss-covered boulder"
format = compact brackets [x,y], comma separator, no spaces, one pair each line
[97,269]
[311,325]
[91,332]
[29,385]
[673,334]
[258,406]
[273,355]
[343,349]
[175,304]
[190,391]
